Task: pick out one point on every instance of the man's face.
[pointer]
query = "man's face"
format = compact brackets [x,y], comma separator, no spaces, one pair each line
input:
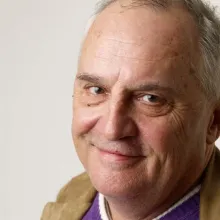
[139,122]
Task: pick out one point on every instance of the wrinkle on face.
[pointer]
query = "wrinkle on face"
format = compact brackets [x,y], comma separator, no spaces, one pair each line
[185,117]
[118,42]
[112,49]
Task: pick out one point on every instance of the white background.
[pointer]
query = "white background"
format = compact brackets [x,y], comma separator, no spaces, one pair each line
[39,45]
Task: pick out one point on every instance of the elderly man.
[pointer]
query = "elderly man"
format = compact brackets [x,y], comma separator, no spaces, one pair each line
[146,115]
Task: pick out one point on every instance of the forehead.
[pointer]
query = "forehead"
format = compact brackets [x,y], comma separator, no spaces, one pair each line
[139,40]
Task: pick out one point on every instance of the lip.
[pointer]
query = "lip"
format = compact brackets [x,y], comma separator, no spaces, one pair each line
[116,156]
[116,153]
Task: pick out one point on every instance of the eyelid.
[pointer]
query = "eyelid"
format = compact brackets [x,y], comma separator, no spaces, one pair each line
[89,85]
[142,94]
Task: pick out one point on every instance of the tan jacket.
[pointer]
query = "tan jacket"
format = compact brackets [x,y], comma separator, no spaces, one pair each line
[77,196]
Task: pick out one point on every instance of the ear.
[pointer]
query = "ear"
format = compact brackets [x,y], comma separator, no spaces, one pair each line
[214,126]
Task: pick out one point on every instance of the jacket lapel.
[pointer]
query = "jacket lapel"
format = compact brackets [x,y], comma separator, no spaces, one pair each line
[210,191]
[64,211]
[73,200]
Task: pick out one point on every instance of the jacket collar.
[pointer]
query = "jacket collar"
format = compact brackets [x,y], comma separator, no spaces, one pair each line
[210,191]
[73,200]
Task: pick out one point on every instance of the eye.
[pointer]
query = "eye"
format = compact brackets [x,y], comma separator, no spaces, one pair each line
[153,105]
[151,98]
[95,90]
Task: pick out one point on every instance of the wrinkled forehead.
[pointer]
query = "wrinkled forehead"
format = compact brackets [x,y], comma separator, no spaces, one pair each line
[173,30]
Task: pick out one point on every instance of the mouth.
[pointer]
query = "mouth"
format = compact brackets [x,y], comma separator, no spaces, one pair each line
[117,157]
[117,153]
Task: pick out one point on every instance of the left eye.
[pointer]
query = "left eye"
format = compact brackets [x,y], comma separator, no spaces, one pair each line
[95,90]
[151,98]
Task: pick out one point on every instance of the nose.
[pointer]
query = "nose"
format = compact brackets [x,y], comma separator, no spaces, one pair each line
[117,122]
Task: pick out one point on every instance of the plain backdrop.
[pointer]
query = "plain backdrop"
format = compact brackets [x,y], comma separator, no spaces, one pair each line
[39,46]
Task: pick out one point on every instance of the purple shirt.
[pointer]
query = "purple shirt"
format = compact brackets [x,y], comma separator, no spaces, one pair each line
[188,210]
[93,213]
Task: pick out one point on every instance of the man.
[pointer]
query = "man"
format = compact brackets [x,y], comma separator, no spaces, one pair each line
[146,115]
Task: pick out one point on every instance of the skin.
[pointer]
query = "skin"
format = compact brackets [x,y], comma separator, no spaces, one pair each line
[142,127]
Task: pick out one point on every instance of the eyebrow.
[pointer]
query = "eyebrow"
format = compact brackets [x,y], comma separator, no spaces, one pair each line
[153,86]
[89,78]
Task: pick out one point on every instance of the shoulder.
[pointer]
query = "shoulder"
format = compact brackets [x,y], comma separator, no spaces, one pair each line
[73,200]
[78,187]
[210,191]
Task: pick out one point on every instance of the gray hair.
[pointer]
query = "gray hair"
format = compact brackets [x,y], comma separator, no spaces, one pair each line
[208,25]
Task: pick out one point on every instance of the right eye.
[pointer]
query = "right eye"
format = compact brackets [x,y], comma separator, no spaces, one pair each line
[93,95]
[95,90]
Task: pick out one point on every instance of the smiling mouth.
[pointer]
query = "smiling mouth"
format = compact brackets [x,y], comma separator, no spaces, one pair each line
[117,157]
[115,153]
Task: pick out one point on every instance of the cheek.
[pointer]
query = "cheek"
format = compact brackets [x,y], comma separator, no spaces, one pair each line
[171,136]
[160,136]
[84,119]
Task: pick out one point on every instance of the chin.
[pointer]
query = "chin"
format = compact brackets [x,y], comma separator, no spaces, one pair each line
[121,183]
[118,177]
[111,188]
